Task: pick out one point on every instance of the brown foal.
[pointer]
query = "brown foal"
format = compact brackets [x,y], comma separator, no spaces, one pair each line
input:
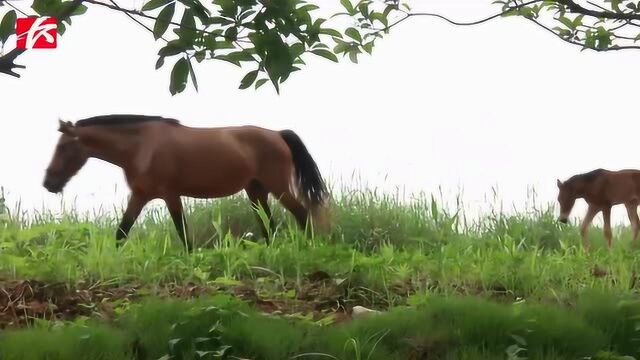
[601,189]
[163,159]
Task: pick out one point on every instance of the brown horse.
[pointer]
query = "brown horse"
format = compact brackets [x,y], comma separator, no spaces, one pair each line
[601,189]
[163,159]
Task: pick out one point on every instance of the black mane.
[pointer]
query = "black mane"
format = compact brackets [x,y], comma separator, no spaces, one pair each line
[119,120]
[589,176]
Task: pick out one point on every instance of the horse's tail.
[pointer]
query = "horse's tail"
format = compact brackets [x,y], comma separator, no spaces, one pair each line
[311,187]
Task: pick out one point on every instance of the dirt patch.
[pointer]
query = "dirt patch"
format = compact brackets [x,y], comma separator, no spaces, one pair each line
[318,297]
[22,301]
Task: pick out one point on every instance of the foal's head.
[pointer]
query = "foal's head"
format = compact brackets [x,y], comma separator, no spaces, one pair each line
[69,157]
[566,198]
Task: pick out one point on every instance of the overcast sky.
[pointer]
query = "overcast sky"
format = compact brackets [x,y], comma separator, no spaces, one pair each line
[502,105]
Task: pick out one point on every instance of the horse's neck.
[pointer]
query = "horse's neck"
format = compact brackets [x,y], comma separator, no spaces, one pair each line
[580,188]
[109,144]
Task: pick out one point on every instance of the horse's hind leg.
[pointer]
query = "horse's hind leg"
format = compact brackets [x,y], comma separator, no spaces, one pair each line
[258,195]
[632,211]
[174,204]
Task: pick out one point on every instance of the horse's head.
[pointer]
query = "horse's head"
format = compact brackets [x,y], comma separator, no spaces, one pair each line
[69,157]
[567,199]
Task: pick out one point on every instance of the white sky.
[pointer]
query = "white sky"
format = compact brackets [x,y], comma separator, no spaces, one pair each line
[502,105]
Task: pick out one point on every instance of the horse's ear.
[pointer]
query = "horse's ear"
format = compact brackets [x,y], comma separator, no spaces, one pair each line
[559,183]
[66,128]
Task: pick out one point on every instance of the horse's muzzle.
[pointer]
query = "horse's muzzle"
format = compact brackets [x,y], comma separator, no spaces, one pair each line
[53,186]
[563,220]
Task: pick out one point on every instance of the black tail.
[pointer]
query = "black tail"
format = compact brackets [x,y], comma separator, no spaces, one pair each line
[310,184]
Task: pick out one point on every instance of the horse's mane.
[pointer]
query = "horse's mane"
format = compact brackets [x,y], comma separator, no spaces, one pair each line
[124,119]
[588,176]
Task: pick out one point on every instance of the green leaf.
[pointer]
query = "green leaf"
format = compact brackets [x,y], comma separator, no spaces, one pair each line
[332,32]
[7,26]
[228,59]
[163,20]
[590,40]
[364,8]
[308,8]
[577,21]
[566,22]
[179,76]
[243,55]
[160,62]
[261,82]
[218,20]
[173,47]
[188,21]
[154,4]
[341,46]
[325,54]
[604,38]
[248,79]
[297,49]
[200,55]
[193,75]
[368,47]
[198,9]
[354,34]
[348,6]
[390,8]
[353,56]
[231,33]
[381,18]
[77,11]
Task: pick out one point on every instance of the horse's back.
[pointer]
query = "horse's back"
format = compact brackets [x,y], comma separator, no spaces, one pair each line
[621,186]
[223,158]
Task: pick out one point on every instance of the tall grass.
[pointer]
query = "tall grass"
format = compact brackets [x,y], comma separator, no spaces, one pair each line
[377,242]
[504,285]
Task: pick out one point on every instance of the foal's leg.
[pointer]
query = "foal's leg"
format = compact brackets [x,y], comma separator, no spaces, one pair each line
[606,214]
[174,204]
[632,211]
[258,196]
[584,227]
[134,207]
[296,208]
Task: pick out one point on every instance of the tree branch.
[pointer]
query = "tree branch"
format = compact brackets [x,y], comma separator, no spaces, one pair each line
[134,19]
[579,9]
[459,23]
[14,8]
[141,14]
[7,64]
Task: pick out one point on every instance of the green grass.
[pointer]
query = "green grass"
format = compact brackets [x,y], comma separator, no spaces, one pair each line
[439,328]
[457,288]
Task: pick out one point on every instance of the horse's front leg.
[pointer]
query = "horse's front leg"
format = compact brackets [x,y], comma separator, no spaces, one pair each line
[606,214]
[136,203]
[584,227]
[174,204]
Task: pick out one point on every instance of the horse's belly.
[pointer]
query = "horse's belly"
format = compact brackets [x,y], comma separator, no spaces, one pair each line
[213,184]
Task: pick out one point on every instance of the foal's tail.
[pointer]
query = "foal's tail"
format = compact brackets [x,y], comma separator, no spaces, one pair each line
[311,187]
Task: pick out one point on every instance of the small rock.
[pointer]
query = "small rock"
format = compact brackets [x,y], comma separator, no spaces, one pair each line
[360,311]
